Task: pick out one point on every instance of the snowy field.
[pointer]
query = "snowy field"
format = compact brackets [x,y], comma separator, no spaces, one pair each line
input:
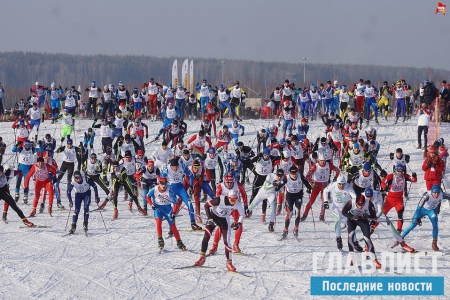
[123,262]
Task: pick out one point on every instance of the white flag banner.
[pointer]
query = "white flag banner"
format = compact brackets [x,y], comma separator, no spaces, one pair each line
[191,77]
[175,73]
[184,73]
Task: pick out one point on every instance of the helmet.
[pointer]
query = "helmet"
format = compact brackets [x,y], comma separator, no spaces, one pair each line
[306,141]
[367,166]
[174,162]
[235,122]
[53,85]
[111,86]
[280,172]
[273,141]
[77,175]
[368,192]
[436,188]
[225,127]
[69,92]
[93,83]
[201,133]
[336,123]
[127,137]
[69,141]
[45,154]
[240,144]
[399,150]
[209,106]
[93,155]
[341,179]
[163,180]
[48,136]
[234,159]
[212,150]
[266,151]
[399,168]
[293,169]
[352,135]
[175,122]
[431,149]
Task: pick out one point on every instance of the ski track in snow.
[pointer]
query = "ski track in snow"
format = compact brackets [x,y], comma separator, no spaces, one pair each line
[123,262]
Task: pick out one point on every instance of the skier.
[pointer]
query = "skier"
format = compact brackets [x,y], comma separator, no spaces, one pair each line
[429,205]
[357,212]
[161,198]
[211,117]
[122,95]
[245,154]
[68,164]
[26,159]
[55,101]
[234,129]
[288,120]
[364,178]
[211,161]
[49,145]
[198,142]
[93,96]
[88,140]
[224,98]
[93,169]
[192,107]
[169,114]
[20,108]
[314,96]
[179,148]
[433,166]
[261,137]
[180,99]
[68,123]
[153,91]
[138,127]
[304,101]
[43,174]
[131,164]
[224,139]
[204,91]
[82,187]
[400,94]
[149,180]
[385,95]
[40,92]
[137,101]
[5,176]
[341,192]
[162,156]
[105,132]
[34,115]
[2,149]
[218,211]
[237,95]
[107,101]
[394,184]
[370,91]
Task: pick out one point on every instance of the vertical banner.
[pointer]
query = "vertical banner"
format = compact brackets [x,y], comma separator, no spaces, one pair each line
[191,77]
[175,73]
[185,74]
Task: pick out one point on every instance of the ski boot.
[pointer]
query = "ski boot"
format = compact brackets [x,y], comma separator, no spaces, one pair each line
[295,231]
[434,245]
[201,260]
[145,209]
[4,216]
[116,213]
[376,121]
[25,198]
[160,242]
[130,206]
[16,198]
[125,196]
[271,226]
[357,247]
[230,266]
[406,247]
[60,206]
[141,211]
[102,206]
[213,250]
[419,147]
[85,226]
[50,210]
[236,248]
[181,246]
[263,218]
[194,226]
[41,208]
[74,227]
[33,212]
[322,218]
[97,200]
[249,214]
[367,123]
[303,218]
[285,233]
[376,263]
[339,243]
[403,120]
[396,120]
[27,223]
[279,206]
[170,234]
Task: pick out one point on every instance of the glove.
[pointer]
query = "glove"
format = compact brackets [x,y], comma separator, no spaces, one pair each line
[335,178]
[190,191]
[146,136]
[308,190]
[414,175]
[355,218]
[279,124]
[173,216]
[153,207]
[26,190]
[242,134]
[91,146]
[210,222]
[97,200]
[391,156]
[71,204]
[325,205]
[372,223]
[235,225]
[95,119]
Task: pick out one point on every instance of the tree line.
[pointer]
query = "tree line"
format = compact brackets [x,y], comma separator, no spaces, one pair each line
[20,70]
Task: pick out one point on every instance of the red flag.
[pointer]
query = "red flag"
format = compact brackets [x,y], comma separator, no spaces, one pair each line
[441,8]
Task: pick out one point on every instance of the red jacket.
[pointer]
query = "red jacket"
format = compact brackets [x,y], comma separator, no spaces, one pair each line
[438,165]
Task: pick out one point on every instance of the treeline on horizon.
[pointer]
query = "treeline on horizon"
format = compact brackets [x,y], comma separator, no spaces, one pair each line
[20,70]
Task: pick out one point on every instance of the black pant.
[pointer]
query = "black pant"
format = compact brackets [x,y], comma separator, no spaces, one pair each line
[261,144]
[106,142]
[291,200]
[4,194]
[92,107]
[258,183]
[246,164]
[99,182]
[365,228]
[128,189]
[276,106]
[209,229]
[423,129]
[66,168]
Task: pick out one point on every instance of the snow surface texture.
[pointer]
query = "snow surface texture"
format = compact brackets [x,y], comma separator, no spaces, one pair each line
[123,262]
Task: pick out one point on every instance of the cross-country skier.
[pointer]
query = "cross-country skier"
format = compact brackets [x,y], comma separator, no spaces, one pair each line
[26,160]
[234,130]
[108,99]
[68,164]
[153,91]
[224,139]
[55,101]
[130,164]
[68,123]
[149,180]
[105,132]
[197,143]
[204,91]
[137,101]
[34,115]
[211,161]
[93,96]
[88,141]
[40,91]
[93,170]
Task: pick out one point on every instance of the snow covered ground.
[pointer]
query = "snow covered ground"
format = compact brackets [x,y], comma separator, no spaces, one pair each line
[123,262]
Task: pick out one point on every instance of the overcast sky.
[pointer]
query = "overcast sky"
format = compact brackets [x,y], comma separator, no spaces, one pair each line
[382,32]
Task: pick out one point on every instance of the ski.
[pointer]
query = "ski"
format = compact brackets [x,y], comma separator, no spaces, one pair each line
[194,266]
[243,253]
[191,230]
[5,221]
[36,226]
[424,252]
[86,234]
[161,250]
[239,273]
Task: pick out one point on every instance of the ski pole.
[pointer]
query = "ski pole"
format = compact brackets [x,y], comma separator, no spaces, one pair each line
[101,215]
[312,215]
[67,222]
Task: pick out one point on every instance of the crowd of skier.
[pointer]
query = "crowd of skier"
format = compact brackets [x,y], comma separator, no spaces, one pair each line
[213,165]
